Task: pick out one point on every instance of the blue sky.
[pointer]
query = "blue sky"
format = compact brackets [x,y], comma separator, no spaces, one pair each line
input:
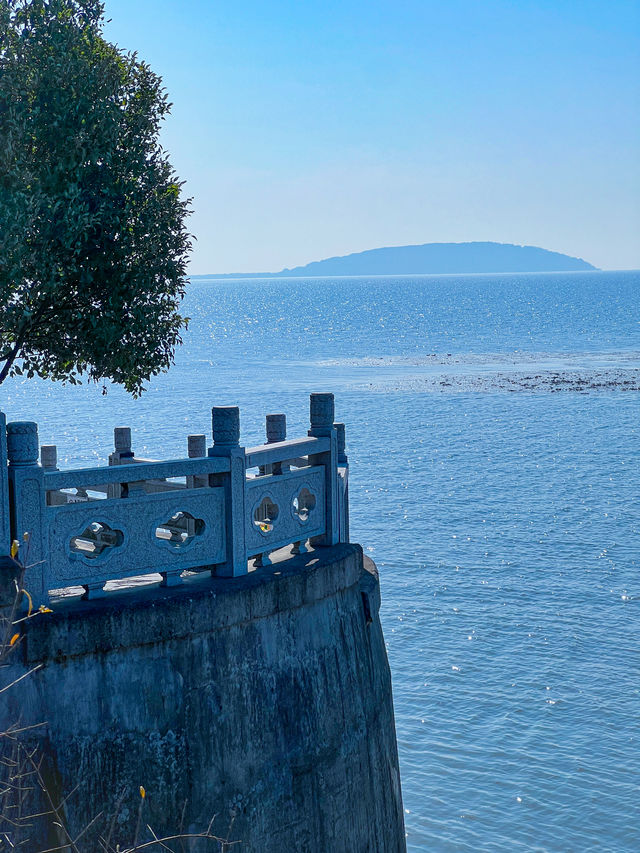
[310,129]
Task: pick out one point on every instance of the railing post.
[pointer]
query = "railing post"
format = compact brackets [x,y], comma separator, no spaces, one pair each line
[196,449]
[123,455]
[322,411]
[49,462]
[276,430]
[49,457]
[121,444]
[343,484]
[225,422]
[5,516]
[26,479]
[121,451]
[196,446]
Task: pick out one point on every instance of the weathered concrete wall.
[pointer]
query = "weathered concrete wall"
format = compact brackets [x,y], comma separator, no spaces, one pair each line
[267,697]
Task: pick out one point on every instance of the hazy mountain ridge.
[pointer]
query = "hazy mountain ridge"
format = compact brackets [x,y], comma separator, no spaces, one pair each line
[433,259]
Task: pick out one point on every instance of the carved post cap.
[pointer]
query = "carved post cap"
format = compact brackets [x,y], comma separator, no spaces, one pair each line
[225,423]
[276,428]
[22,443]
[197,446]
[49,456]
[321,410]
[342,442]
[122,439]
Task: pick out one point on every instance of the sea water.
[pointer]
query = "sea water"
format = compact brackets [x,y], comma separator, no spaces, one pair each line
[494,441]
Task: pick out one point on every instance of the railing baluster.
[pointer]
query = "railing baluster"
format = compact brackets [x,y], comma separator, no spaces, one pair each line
[49,461]
[225,425]
[276,431]
[122,454]
[5,517]
[49,457]
[197,449]
[28,505]
[321,415]
[343,484]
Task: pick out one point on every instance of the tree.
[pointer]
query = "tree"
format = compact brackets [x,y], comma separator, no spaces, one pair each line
[93,243]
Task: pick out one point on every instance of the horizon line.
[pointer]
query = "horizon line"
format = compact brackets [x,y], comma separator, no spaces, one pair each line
[258,275]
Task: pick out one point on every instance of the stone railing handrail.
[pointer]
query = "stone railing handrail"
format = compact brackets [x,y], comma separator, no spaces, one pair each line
[284,451]
[210,510]
[138,470]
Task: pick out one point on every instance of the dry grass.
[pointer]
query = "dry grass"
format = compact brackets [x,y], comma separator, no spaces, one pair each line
[26,801]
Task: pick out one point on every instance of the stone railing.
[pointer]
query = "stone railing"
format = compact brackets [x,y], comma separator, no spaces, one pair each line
[215,510]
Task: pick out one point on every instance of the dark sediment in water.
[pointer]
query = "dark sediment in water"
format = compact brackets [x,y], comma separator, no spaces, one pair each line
[550,381]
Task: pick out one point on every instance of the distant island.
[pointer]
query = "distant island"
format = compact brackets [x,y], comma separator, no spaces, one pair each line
[432,259]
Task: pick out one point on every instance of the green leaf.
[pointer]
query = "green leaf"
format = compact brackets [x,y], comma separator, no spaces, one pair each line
[93,241]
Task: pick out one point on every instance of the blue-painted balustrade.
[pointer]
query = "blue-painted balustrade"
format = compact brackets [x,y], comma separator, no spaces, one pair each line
[225,508]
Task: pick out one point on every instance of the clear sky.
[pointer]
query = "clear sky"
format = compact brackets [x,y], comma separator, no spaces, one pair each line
[310,129]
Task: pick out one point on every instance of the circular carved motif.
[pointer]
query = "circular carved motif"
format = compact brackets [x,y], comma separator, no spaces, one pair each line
[98,539]
[265,514]
[303,505]
[179,531]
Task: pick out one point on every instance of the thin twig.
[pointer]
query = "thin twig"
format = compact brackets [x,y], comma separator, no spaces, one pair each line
[184,809]
[54,809]
[31,671]
[135,837]
[161,842]
[87,827]
[147,844]
[14,730]
[115,815]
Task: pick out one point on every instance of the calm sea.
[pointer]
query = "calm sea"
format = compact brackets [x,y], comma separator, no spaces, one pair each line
[493,425]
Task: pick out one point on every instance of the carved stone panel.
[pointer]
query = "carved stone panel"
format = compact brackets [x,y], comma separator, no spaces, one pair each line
[284,508]
[135,536]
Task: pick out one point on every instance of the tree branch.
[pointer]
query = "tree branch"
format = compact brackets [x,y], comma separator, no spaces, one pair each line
[10,359]
[20,339]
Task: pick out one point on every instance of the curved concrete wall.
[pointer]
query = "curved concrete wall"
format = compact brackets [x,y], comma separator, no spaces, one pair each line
[266,697]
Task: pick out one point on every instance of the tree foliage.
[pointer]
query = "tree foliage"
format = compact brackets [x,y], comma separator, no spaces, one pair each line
[93,243]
